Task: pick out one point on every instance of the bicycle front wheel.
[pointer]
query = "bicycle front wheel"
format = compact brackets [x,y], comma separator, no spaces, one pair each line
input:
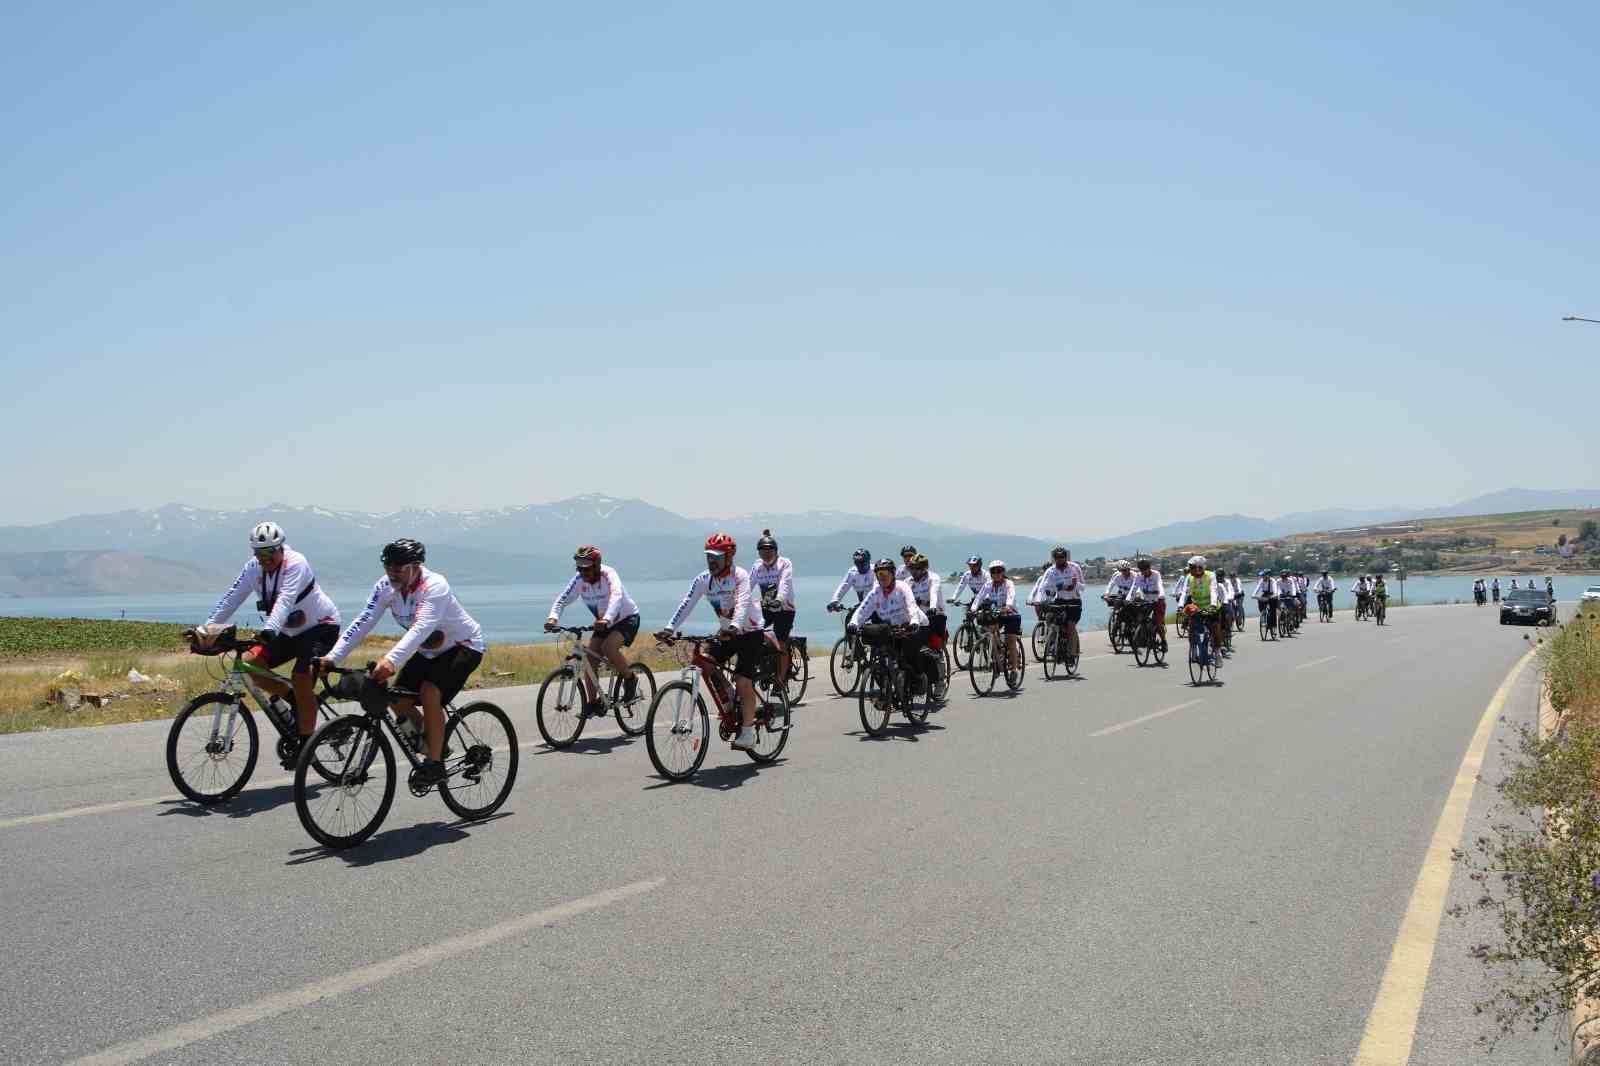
[1051,659]
[558,710]
[212,748]
[484,767]
[844,667]
[677,731]
[980,666]
[1014,673]
[344,812]
[630,713]
[799,674]
[876,698]
[772,722]
[1036,638]
[961,648]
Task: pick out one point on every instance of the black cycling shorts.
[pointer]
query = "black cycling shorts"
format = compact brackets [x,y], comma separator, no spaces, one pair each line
[448,671]
[628,627]
[1068,610]
[782,623]
[1011,623]
[746,648]
[302,647]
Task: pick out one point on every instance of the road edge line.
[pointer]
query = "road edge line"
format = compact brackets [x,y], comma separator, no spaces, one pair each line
[192,1032]
[1391,1028]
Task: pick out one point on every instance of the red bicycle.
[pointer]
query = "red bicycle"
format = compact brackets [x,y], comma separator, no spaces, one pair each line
[677,729]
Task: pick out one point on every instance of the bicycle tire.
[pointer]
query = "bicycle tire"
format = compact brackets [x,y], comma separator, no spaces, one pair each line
[1196,669]
[980,670]
[1116,632]
[182,757]
[563,724]
[684,747]
[965,641]
[481,736]
[1036,640]
[772,708]
[875,701]
[1014,676]
[1380,613]
[338,817]
[630,716]
[1050,660]
[1143,642]
[842,663]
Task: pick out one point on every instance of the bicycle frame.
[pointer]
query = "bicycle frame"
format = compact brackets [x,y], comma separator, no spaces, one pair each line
[239,682]
[698,673]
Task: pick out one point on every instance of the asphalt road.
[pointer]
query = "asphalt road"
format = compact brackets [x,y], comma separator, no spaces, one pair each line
[1069,875]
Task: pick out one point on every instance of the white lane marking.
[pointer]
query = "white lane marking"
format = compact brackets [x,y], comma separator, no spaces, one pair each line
[181,1036]
[174,797]
[1120,726]
[1392,1025]
[1317,662]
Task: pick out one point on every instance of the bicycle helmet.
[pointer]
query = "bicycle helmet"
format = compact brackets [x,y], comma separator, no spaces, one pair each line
[1123,564]
[908,549]
[884,564]
[1265,573]
[919,561]
[266,535]
[721,544]
[403,551]
[586,555]
[996,565]
[860,555]
[1058,552]
[974,559]
[1142,562]
[1196,560]
[766,541]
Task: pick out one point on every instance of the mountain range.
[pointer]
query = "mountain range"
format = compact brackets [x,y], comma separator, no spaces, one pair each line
[180,548]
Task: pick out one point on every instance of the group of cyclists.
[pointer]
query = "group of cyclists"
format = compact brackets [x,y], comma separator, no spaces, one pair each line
[1482,592]
[442,645]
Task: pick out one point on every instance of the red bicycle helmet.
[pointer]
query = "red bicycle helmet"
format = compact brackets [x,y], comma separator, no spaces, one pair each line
[721,543]
[587,555]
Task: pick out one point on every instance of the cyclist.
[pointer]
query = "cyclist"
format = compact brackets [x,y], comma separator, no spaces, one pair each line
[1198,588]
[1289,593]
[1266,595]
[727,587]
[1061,586]
[1379,592]
[1237,589]
[1363,592]
[441,647]
[929,593]
[1325,590]
[1116,590]
[616,621]
[773,578]
[1148,581]
[302,622]
[1550,589]
[1494,590]
[858,577]
[1000,594]
[1225,595]
[1513,584]
[904,571]
[973,579]
[892,602]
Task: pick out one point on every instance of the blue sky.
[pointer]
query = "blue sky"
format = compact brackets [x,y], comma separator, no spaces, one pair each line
[1049,268]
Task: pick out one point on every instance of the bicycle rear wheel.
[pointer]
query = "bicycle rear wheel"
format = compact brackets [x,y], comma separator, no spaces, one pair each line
[1014,674]
[630,714]
[208,758]
[844,667]
[961,647]
[980,668]
[558,710]
[799,675]
[876,698]
[1050,660]
[346,811]
[1036,640]
[677,731]
[485,764]
[772,722]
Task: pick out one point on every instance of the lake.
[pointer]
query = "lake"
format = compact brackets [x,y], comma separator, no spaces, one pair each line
[515,613]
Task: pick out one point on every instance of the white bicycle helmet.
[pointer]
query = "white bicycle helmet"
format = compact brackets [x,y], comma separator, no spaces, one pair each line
[266,535]
[1197,560]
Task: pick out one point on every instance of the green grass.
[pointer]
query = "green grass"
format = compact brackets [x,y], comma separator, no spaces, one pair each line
[27,638]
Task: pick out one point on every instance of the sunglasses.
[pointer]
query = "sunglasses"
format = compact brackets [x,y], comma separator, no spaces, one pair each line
[264,553]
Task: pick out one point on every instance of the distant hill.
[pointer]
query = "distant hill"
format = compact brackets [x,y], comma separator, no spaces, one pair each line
[98,573]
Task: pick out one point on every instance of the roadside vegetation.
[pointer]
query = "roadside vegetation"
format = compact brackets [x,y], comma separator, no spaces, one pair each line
[1537,872]
[49,664]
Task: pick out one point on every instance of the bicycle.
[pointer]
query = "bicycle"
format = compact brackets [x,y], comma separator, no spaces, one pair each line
[480,756]
[1147,643]
[1286,622]
[1238,613]
[1325,606]
[1119,625]
[991,657]
[891,684]
[1057,656]
[677,730]
[1363,607]
[965,638]
[847,657]
[563,723]
[792,651]
[1380,609]
[204,755]
[1202,656]
[1267,618]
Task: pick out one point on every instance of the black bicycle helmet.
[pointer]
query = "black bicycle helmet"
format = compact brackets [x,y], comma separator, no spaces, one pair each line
[884,564]
[402,551]
[1058,552]
[766,541]
[860,555]
[908,549]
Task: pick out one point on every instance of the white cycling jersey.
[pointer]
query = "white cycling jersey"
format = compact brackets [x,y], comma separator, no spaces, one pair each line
[296,602]
[897,607]
[861,581]
[1326,584]
[1001,595]
[1058,585]
[929,592]
[605,597]
[969,582]
[1119,585]
[1186,586]
[1151,586]
[777,579]
[1266,589]
[902,573]
[434,620]
[729,594]
[1238,588]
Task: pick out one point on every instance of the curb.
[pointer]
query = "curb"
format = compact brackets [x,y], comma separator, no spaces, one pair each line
[1585,1049]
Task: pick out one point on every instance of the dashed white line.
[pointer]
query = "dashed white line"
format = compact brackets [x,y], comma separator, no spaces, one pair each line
[1317,662]
[182,1036]
[1120,726]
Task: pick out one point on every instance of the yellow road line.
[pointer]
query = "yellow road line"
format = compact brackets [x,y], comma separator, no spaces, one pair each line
[1392,1025]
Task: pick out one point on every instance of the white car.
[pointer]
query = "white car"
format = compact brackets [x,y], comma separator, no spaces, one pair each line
[1591,594]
